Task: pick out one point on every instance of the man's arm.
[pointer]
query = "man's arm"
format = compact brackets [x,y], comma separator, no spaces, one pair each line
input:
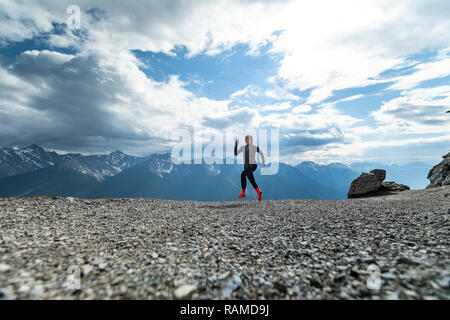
[236,151]
[261,155]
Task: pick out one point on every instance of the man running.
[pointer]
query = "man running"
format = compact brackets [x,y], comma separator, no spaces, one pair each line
[250,164]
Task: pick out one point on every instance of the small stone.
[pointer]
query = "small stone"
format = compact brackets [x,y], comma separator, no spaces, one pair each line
[306,252]
[123,289]
[37,291]
[388,276]
[185,291]
[354,273]
[86,269]
[117,280]
[4,268]
[393,295]
[315,283]
[271,292]
[411,293]
[444,282]
[368,260]
[339,278]
[407,260]
[280,287]
[24,288]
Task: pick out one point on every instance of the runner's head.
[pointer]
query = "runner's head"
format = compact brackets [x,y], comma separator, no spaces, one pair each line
[248,139]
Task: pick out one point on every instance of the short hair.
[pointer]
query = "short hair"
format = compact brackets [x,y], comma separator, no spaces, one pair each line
[250,138]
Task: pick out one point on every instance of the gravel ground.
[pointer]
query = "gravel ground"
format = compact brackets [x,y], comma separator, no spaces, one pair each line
[283,249]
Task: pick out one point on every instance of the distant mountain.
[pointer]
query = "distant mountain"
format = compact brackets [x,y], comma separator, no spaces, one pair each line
[15,161]
[336,175]
[101,166]
[33,171]
[158,177]
[219,182]
[58,180]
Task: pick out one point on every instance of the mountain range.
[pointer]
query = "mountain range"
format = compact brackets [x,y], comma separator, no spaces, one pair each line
[32,170]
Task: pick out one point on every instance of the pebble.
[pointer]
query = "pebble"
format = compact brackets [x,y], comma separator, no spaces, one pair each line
[86,269]
[185,291]
[4,268]
[388,276]
[444,282]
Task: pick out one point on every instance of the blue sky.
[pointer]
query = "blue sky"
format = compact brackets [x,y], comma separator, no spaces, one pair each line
[215,77]
[342,82]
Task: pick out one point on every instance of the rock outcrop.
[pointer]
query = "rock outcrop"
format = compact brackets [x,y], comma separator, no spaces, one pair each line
[371,184]
[365,183]
[392,186]
[439,175]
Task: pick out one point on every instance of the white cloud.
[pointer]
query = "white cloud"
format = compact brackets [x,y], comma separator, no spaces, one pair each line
[416,111]
[424,71]
[280,93]
[277,107]
[342,44]
[325,117]
[400,151]
[301,108]
[19,21]
[65,40]
[351,98]
[240,92]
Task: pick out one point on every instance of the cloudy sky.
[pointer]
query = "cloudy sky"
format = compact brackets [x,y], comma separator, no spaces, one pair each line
[343,81]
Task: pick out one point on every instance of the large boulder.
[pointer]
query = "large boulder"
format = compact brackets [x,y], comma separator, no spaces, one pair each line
[371,184]
[439,175]
[365,183]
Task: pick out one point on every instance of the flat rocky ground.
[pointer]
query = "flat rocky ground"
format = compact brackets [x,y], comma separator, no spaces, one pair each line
[284,249]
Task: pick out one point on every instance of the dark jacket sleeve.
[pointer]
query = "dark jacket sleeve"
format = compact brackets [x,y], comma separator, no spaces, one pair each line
[261,155]
[236,150]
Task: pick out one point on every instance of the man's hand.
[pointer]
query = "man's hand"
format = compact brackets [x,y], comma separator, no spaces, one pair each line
[237,141]
[264,164]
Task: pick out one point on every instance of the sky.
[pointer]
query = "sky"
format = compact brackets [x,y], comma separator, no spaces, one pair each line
[342,81]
